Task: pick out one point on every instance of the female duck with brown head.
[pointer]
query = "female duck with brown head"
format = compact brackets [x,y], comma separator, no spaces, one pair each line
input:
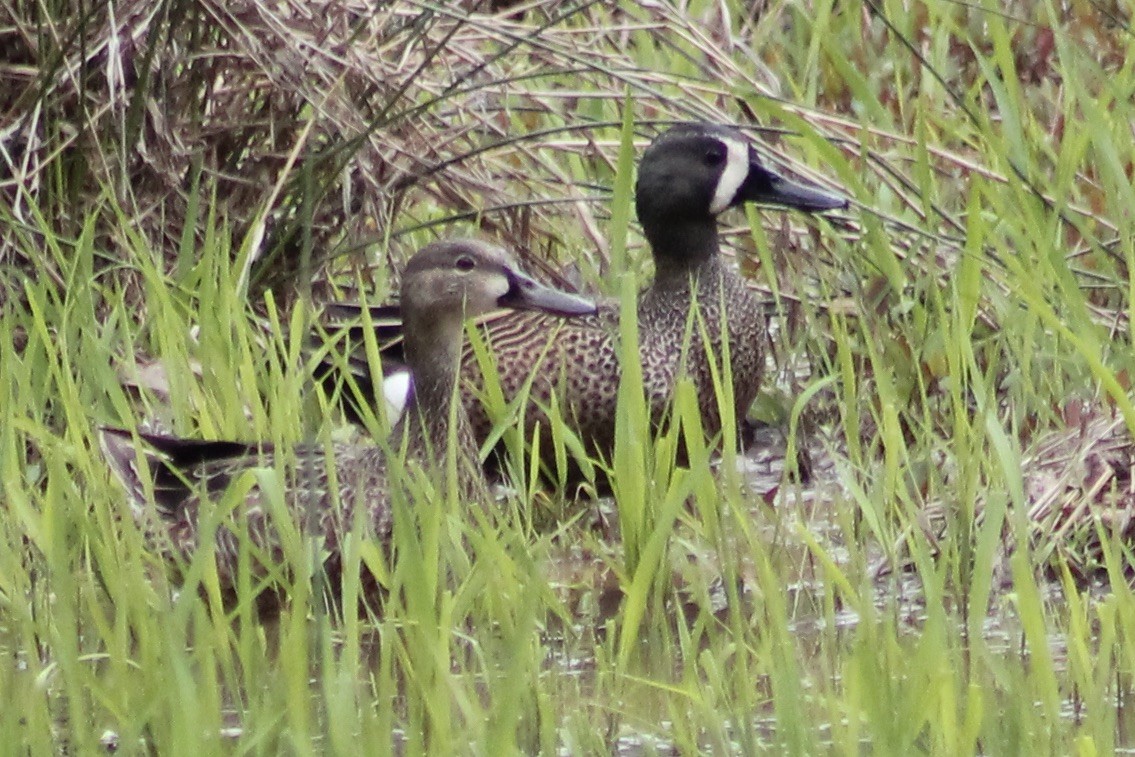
[443,285]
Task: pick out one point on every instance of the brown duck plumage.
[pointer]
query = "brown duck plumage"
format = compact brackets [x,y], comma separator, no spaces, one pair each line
[687,177]
[323,488]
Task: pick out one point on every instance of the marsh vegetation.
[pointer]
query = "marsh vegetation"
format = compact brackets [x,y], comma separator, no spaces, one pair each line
[925,548]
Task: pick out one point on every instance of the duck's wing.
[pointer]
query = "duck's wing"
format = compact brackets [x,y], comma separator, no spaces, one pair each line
[177,471]
[339,361]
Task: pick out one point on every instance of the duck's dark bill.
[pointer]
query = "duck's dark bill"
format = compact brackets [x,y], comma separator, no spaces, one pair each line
[528,294]
[776,190]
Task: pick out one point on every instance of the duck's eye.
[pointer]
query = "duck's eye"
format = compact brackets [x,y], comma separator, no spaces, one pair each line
[714,156]
[465,263]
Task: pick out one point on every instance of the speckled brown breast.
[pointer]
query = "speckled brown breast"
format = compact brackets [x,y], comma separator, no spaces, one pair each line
[577,360]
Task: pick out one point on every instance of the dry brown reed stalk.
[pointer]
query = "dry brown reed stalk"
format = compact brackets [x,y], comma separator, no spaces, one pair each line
[322,128]
[1078,481]
[317,133]
[1079,486]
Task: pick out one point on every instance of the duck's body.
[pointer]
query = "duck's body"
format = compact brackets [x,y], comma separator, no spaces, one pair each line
[687,177]
[578,361]
[330,491]
[207,484]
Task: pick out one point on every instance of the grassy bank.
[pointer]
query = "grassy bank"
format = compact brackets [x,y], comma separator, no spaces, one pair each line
[182,184]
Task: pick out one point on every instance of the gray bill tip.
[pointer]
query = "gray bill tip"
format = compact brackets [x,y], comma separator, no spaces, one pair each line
[804,197]
[528,294]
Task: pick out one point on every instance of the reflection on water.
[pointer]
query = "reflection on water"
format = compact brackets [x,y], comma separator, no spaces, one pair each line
[783,513]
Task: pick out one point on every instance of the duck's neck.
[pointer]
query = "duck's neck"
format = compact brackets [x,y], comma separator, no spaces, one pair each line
[433,352]
[683,251]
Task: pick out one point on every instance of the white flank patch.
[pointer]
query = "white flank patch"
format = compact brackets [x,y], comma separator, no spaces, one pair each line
[396,392]
[736,169]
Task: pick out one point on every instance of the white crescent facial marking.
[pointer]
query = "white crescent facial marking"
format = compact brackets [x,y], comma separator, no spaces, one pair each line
[499,287]
[732,176]
[396,392]
[485,296]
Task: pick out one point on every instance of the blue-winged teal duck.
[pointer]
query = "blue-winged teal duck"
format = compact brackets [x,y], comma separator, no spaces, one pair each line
[443,285]
[687,177]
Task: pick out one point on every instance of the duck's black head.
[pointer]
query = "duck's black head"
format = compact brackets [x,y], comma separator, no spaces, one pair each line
[693,172]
